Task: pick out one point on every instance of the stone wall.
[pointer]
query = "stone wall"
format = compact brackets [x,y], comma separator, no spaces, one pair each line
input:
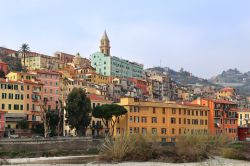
[38,146]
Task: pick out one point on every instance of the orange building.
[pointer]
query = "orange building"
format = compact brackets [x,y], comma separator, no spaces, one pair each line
[222,116]
[165,121]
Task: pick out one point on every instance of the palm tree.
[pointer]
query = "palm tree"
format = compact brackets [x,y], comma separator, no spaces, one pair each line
[23,50]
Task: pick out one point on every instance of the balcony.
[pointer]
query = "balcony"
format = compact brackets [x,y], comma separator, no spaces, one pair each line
[36,98]
[36,90]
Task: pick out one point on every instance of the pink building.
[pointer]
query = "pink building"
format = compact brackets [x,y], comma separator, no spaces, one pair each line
[4,67]
[2,123]
[51,88]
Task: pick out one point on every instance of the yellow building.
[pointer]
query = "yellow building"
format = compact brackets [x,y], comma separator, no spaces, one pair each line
[226,93]
[39,61]
[22,100]
[97,78]
[165,121]
[243,117]
[19,76]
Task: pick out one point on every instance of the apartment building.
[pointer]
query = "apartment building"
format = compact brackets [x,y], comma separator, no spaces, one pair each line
[51,88]
[21,100]
[165,121]
[223,117]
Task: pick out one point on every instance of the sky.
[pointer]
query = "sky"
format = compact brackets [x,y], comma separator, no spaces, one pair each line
[204,37]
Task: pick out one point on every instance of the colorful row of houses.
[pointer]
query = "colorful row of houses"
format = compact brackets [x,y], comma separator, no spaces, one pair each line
[156,104]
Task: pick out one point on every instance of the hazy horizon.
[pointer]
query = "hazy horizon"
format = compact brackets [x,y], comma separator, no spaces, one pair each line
[204,37]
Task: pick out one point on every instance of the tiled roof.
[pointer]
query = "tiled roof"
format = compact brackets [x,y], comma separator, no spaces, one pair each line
[94,97]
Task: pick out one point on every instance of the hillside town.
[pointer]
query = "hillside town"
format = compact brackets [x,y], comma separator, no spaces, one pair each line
[155,103]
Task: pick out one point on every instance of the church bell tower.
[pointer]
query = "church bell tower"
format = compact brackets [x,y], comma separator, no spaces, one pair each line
[105,46]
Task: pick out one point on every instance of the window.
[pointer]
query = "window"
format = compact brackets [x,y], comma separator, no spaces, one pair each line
[205,113]
[28,107]
[173,111]
[33,107]
[179,120]
[173,130]
[173,120]
[21,96]
[163,120]
[15,87]
[28,96]
[179,111]
[56,83]
[172,139]
[16,107]
[131,130]
[51,91]
[154,131]
[21,107]
[3,106]
[154,120]
[163,111]
[144,131]
[179,130]
[153,110]
[163,131]
[144,119]
[131,119]
[9,106]
[137,119]
[28,87]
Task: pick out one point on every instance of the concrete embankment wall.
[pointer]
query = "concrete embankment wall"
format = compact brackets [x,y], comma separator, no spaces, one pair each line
[48,145]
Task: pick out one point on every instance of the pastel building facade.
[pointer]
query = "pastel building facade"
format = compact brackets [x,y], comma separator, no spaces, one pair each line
[223,117]
[243,117]
[21,100]
[160,120]
[51,88]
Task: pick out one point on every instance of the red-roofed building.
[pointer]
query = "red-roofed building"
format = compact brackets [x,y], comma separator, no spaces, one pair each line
[4,67]
[222,116]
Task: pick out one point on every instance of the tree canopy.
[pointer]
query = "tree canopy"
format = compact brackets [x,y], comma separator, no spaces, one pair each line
[109,113]
[2,74]
[78,109]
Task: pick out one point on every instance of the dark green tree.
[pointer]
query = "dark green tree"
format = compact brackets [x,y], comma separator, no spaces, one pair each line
[109,113]
[53,119]
[78,109]
[2,74]
[24,124]
[23,50]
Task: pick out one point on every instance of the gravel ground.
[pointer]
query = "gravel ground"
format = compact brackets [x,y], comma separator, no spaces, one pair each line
[217,161]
